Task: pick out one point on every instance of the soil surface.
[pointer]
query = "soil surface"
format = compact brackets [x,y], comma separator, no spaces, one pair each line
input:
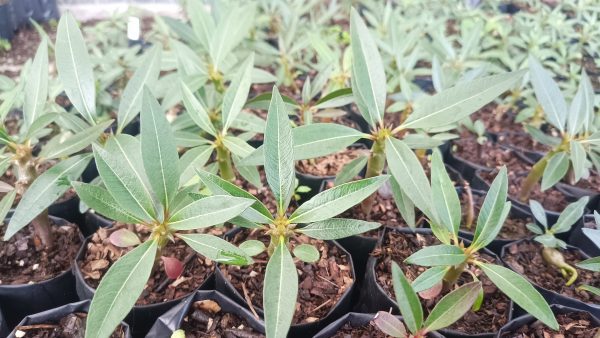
[521,141]
[23,46]
[591,183]
[100,254]
[23,260]
[497,119]
[494,311]
[488,154]
[206,320]
[365,331]
[514,228]
[71,325]
[329,165]
[572,325]
[526,259]
[320,285]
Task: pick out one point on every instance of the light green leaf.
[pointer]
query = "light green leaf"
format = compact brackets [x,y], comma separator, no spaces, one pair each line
[192,160]
[456,103]
[493,211]
[403,203]
[36,85]
[196,110]
[336,228]
[208,211]
[279,152]
[237,146]
[521,292]
[335,99]
[145,75]
[237,93]
[74,67]
[453,306]
[103,203]
[306,253]
[41,123]
[592,264]
[351,170]
[538,212]
[407,299]
[45,190]
[249,122]
[534,228]
[589,288]
[429,278]
[280,292]
[119,289]
[6,204]
[572,213]
[232,28]
[548,94]
[444,197]
[578,159]
[336,200]
[557,168]
[253,247]
[438,255]
[74,143]
[203,24]
[159,152]
[216,249]
[368,76]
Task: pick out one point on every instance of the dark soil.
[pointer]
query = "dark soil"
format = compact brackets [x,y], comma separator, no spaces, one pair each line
[514,228]
[366,331]
[328,165]
[494,311]
[572,325]
[23,260]
[522,141]
[497,119]
[101,254]
[71,326]
[488,154]
[206,320]
[321,284]
[526,259]
[23,46]
[591,183]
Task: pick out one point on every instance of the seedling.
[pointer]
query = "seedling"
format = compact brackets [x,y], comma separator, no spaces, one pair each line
[551,244]
[141,180]
[452,258]
[592,264]
[447,311]
[574,151]
[281,279]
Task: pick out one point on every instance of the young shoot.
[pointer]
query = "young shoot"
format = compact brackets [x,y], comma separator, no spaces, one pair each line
[553,257]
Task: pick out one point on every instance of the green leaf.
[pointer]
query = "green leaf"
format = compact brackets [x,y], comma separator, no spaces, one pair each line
[336,200]
[280,292]
[192,160]
[45,190]
[40,123]
[159,152]
[103,203]
[572,213]
[237,93]
[237,146]
[202,22]
[75,68]
[592,264]
[279,153]
[336,228]
[74,143]
[351,170]
[216,249]
[337,98]
[196,110]
[253,247]
[541,137]
[403,203]
[589,288]
[493,211]
[453,306]
[145,76]
[408,172]
[248,173]
[231,29]
[548,94]
[208,211]
[249,122]
[6,204]
[306,253]
[444,197]
[407,299]
[429,278]
[538,212]
[456,103]
[36,86]
[534,228]
[521,292]
[119,165]
[578,159]
[368,76]
[438,255]
[119,289]
[389,324]
[557,168]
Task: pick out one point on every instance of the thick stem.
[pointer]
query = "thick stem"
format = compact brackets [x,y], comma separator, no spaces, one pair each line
[470,212]
[534,176]
[453,274]
[555,258]
[375,167]
[225,166]
[42,227]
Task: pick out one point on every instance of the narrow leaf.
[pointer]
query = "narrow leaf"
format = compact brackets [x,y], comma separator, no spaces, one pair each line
[429,278]
[36,85]
[281,291]
[336,228]
[351,170]
[437,255]
[407,299]
[453,306]
[557,168]
[211,210]
[237,93]
[389,324]
[103,202]
[445,199]
[216,249]
[548,94]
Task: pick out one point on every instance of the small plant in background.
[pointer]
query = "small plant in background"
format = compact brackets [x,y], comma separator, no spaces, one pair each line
[546,237]
[447,311]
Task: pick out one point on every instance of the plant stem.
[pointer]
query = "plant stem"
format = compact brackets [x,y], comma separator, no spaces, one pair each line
[534,176]
[375,167]
[224,161]
[555,258]
[41,225]
[453,274]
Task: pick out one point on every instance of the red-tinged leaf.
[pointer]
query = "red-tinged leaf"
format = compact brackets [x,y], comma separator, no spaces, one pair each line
[124,238]
[173,267]
[389,324]
[432,292]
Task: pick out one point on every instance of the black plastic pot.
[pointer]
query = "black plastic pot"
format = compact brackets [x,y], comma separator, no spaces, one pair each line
[54,315]
[224,286]
[374,298]
[7,25]
[527,319]
[69,210]
[554,297]
[3,325]
[141,317]
[425,83]
[355,319]
[18,301]
[509,8]
[466,168]
[38,10]
[580,239]
[172,319]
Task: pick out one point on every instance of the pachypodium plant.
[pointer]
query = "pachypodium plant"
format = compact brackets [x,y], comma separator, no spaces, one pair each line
[141,186]
[575,149]
[448,310]
[453,258]
[546,237]
[281,279]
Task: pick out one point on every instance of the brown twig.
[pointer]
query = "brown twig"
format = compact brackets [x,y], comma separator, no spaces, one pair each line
[38,326]
[320,306]
[249,301]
